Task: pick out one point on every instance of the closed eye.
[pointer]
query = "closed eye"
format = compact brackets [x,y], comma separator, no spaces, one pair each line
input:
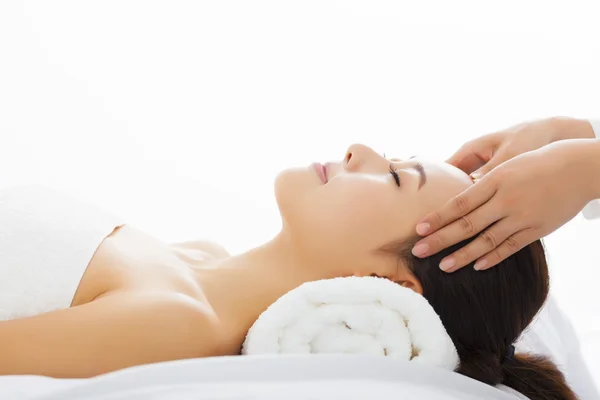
[395,175]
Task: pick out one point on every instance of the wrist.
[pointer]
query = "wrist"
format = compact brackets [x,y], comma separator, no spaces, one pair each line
[571,128]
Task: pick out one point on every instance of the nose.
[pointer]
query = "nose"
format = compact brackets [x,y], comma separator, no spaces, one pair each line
[357,155]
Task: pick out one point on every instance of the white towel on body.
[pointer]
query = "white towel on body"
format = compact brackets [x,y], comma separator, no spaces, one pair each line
[47,239]
[353,315]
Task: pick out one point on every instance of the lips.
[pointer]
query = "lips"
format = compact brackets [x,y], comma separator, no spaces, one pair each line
[321,171]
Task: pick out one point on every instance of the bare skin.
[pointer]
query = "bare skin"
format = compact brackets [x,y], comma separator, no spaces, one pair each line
[142,300]
[556,160]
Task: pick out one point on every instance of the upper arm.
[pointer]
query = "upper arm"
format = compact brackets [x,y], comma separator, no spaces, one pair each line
[110,333]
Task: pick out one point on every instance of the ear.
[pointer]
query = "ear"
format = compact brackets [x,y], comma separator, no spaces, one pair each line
[404,277]
[407,280]
[412,284]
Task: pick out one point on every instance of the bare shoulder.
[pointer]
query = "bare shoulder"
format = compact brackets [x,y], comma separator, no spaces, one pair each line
[191,323]
[209,247]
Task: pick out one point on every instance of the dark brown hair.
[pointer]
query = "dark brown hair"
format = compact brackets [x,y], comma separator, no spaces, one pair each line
[484,313]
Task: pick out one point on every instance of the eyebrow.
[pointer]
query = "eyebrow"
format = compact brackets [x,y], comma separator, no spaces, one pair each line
[422,176]
[421,170]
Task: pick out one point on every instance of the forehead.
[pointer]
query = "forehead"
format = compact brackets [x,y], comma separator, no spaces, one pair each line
[443,180]
[440,168]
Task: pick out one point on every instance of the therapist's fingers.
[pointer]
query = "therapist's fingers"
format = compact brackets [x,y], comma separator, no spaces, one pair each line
[466,161]
[471,156]
[484,244]
[459,206]
[501,156]
[508,247]
[459,230]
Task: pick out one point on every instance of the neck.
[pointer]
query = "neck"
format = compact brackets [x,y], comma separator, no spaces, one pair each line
[241,287]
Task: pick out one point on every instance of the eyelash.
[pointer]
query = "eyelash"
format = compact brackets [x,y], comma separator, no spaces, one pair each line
[395,175]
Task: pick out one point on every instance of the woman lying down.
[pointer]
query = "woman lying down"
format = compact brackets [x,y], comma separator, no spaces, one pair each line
[82,294]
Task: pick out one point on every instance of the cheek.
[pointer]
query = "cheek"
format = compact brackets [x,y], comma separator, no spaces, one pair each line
[345,218]
[359,213]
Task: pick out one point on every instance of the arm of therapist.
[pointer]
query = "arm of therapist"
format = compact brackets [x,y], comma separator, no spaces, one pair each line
[519,201]
[107,334]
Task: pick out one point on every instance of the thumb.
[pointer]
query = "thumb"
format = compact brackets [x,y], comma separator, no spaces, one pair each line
[487,167]
[468,158]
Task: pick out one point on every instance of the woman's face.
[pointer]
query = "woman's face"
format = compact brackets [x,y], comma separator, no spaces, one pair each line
[361,207]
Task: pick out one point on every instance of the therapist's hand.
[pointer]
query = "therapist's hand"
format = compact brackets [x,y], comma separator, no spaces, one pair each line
[479,156]
[524,198]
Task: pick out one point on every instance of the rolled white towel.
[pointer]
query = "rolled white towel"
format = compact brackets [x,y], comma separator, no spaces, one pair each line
[353,315]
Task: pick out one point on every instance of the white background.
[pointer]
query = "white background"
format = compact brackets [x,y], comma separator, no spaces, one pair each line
[178,115]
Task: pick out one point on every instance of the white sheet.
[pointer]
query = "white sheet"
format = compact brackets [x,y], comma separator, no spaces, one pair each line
[294,377]
[552,334]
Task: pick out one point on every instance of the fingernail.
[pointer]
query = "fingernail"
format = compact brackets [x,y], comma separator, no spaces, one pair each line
[476,175]
[480,264]
[423,228]
[420,250]
[446,264]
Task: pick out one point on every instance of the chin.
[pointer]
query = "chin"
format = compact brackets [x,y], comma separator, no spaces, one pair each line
[292,187]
